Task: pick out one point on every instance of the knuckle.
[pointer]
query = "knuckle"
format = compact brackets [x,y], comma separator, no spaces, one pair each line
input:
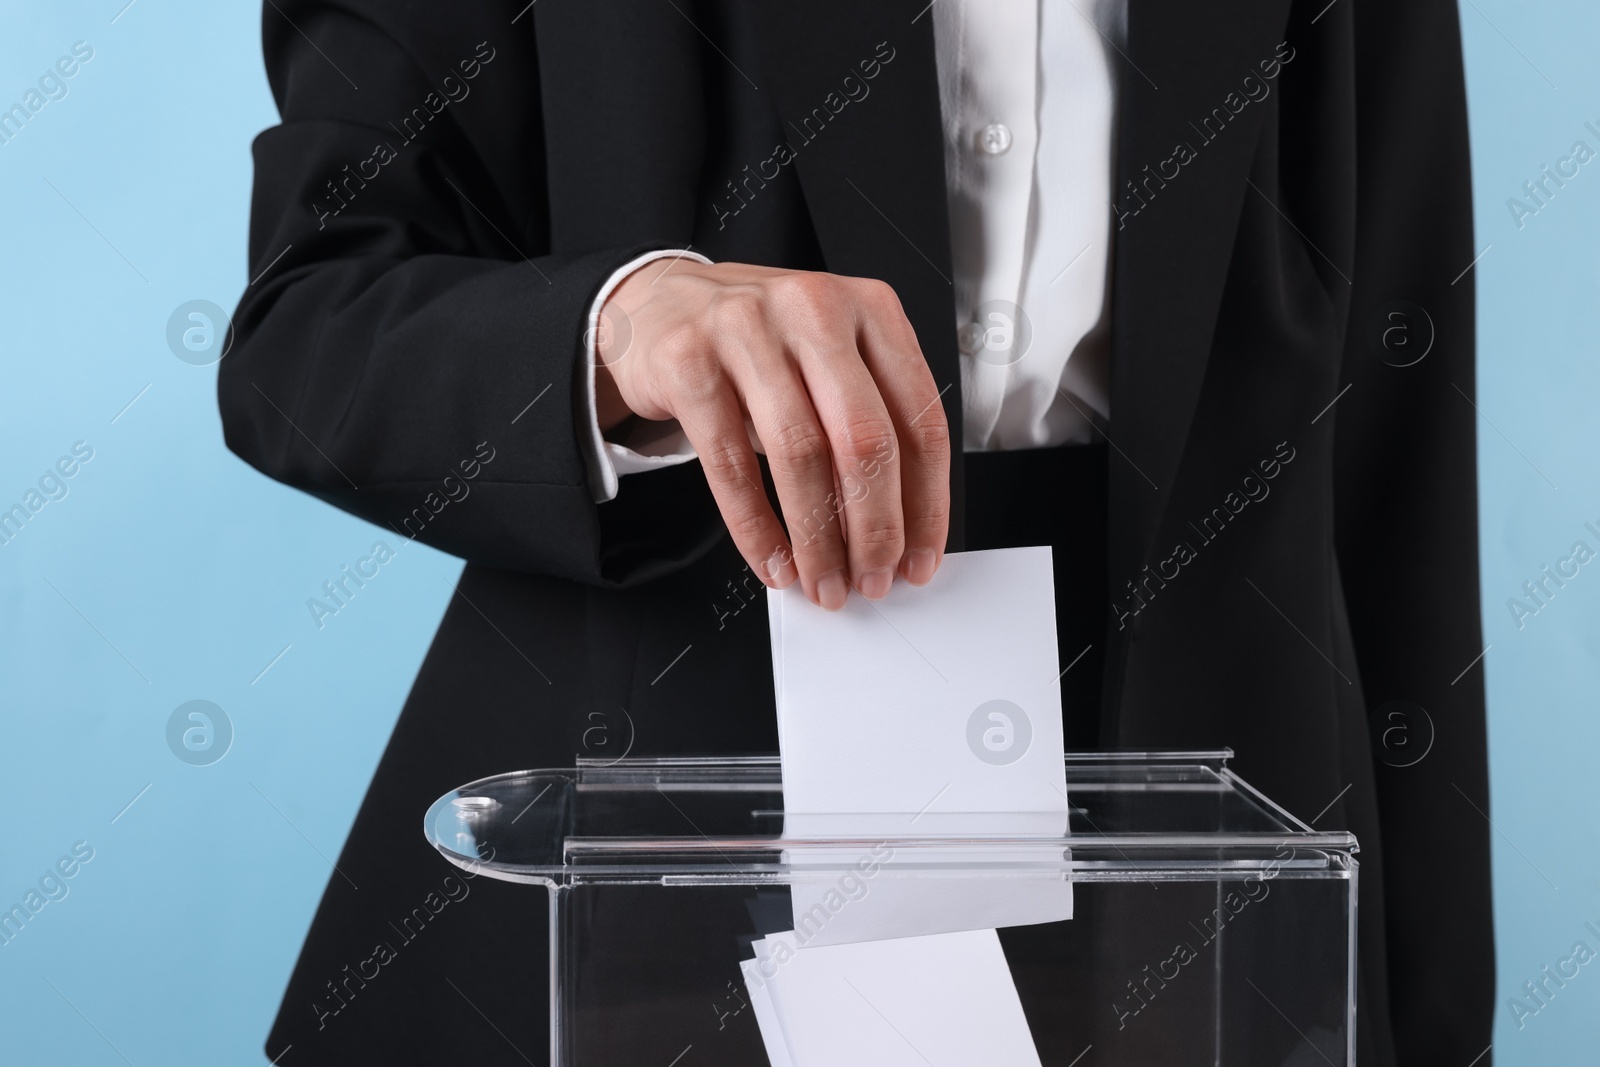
[735,310]
[800,445]
[930,434]
[927,519]
[681,344]
[879,296]
[865,437]
[746,525]
[724,464]
[878,537]
[815,534]
[807,291]
[691,374]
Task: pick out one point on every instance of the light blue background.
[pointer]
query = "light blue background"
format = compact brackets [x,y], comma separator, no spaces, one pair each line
[191,572]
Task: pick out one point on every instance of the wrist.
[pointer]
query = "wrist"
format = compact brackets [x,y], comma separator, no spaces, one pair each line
[613,334]
[609,408]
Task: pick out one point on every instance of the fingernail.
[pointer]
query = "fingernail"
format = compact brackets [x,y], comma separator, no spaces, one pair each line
[832,590]
[919,565]
[779,569]
[874,585]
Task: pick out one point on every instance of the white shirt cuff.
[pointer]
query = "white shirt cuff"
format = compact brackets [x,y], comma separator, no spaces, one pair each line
[651,445]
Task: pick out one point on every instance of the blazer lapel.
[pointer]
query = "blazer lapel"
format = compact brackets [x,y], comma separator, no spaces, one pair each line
[857,89]
[1184,114]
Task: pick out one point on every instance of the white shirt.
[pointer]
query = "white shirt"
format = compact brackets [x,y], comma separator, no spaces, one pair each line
[1027,92]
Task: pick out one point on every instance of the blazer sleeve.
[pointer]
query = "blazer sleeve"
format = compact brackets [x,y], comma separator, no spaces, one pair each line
[409,347]
[1406,502]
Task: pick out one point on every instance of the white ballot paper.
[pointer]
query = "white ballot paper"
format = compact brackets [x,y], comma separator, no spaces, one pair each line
[945,998]
[935,712]
[921,740]
[942,698]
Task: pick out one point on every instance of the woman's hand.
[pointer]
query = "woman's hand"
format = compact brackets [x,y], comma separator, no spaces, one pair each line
[828,372]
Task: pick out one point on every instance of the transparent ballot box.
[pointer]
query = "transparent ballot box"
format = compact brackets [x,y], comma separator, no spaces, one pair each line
[1209,926]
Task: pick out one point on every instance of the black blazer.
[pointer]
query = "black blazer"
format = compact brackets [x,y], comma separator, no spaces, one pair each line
[451,184]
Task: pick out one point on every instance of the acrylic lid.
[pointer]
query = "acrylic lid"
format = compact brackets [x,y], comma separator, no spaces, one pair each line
[1132,815]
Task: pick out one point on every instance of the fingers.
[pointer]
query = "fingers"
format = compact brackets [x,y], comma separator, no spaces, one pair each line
[801,460]
[830,443]
[889,348]
[712,417]
[866,494]
[799,452]
[830,374]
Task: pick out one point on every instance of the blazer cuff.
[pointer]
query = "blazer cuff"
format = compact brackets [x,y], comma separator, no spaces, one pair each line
[650,446]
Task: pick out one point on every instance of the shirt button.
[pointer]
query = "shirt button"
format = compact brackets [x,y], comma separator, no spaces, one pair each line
[994,139]
[970,338]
